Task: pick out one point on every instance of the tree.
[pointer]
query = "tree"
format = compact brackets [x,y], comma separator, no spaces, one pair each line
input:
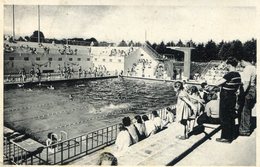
[235,50]
[34,37]
[211,50]
[249,50]
[161,48]
[223,51]
[180,44]
[21,39]
[131,43]
[122,44]
[190,43]
[199,53]
[27,38]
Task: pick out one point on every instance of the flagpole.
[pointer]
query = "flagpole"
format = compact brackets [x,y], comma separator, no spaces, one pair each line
[13,25]
[39,40]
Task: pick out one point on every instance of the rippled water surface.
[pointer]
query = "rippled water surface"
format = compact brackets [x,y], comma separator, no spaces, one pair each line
[26,109]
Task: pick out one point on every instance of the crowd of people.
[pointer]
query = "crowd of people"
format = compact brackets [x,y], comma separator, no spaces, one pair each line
[132,131]
[233,97]
[66,50]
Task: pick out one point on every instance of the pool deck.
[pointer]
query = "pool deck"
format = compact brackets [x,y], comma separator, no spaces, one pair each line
[62,80]
[193,82]
[160,149]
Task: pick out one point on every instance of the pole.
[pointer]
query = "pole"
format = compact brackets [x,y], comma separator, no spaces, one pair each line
[39,39]
[13,25]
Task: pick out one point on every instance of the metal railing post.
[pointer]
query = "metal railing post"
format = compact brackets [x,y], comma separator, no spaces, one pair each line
[61,153]
[86,144]
[107,135]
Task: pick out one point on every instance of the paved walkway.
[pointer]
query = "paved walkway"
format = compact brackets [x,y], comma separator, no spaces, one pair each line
[242,152]
[160,149]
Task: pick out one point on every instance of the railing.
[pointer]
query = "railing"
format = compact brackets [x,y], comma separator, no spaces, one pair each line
[151,51]
[18,155]
[65,151]
[61,152]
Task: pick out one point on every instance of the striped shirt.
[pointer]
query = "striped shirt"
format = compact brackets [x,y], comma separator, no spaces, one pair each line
[233,81]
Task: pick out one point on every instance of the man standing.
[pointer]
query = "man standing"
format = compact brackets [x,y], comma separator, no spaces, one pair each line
[229,86]
[248,97]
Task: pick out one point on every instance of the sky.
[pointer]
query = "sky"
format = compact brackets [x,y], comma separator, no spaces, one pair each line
[116,23]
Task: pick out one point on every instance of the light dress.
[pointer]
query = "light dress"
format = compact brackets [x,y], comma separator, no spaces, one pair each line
[183,111]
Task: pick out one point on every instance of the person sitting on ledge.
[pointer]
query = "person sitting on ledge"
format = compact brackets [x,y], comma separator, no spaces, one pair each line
[157,121]
[170,116]
[140,126]
[150,128]
[107,159]
[123,139]
[211,114]
[131,129]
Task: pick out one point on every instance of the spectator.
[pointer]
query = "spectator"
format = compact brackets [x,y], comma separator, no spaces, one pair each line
[157,120]
[32,73]
[38,74]
[150,128]
[184,109]
[196,100]
[204,91]
[123,139]
[48,76]
[23,74]
[229,86]
[51,141]
[80,71]
[140,126]
[211,114]
[131,129]
[247,97]
[174,73]
[170,115]
[107,159]
[180,74]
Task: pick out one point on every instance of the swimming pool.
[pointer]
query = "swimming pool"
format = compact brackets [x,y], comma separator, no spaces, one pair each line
[38,110]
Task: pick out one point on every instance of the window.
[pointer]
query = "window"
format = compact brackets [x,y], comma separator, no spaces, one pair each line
[79,59]
[38,58]
[104,59]
[110,60]
[119,60]
[88,59]
[11,58]
[95,59]
[50,58]
[26,58]
[60,59]
[70,59]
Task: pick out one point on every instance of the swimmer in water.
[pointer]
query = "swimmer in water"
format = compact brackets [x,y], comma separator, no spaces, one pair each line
[81,85]
[70,97]
[50,87]
[29,90]
[20,85]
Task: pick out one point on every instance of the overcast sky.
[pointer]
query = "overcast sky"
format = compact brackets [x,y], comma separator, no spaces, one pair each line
[114,23]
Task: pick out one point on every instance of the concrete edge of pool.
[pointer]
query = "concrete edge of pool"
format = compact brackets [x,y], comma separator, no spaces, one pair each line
[162,148]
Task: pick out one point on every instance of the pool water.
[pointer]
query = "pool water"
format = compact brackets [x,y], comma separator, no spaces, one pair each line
[95,104]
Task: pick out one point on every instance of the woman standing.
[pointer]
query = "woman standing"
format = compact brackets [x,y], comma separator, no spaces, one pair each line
[184,108]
